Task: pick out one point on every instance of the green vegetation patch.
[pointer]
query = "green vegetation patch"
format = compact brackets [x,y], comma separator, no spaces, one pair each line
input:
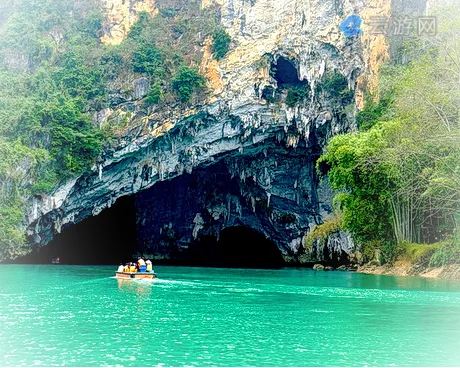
[186,82]
[296,95]
[418,253]
[220,43]
[55,74]
[321,233]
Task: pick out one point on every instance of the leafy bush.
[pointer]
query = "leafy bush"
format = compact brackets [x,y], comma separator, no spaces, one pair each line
[390,251]
[418,253]
[149,60]
[321,232]
[220,44]
[78,79]
[136,28]
[187,81]
[446,253]
[154,95]
[372,112]
[45,183]
[295,95]
[336,85]
[367,251]
[12,240]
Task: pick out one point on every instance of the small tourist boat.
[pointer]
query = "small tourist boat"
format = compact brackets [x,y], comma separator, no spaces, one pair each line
[136,275]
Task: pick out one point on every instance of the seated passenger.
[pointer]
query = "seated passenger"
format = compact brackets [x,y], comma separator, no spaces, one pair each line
[126,269]
[148,265]
[141,264]
[121,268]
[132,267]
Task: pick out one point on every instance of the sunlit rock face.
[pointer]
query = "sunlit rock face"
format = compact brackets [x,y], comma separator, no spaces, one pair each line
[265,151]
[121,15]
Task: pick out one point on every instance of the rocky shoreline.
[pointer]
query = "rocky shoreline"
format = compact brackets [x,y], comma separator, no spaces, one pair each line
[399,268]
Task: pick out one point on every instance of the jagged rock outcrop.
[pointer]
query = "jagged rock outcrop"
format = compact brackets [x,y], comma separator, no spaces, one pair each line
[266,150]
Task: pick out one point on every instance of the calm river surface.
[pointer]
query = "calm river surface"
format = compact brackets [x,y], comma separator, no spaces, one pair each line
[80,316]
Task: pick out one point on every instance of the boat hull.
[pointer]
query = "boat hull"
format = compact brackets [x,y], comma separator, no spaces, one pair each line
[135,275]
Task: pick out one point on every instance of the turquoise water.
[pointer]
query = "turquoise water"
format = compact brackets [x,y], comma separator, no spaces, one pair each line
[79,316]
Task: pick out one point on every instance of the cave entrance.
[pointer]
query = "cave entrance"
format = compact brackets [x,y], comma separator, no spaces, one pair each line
[285,73]
[238,246]
[108,238]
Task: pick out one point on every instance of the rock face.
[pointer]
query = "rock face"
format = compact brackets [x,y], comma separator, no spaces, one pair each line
[121,15]
[268,188]
[235,159]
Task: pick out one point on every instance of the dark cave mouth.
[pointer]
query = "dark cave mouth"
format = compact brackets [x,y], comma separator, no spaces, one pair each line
[110,239]
[106,239]
[237,247]
[285,73]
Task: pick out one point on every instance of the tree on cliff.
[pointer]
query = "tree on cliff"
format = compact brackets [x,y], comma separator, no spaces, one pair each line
[400,180]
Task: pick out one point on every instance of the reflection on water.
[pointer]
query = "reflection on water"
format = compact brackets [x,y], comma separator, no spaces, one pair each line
[140,287]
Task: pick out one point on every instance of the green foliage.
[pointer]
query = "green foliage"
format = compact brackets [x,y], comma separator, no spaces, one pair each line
[187,81]
[389,252]
[365,189]
[445,255]
[45,183]
[418,253]
[296,95]
[74,147]
[149,60]
[220,43]
[336,85]
[320,233]
[367,251]
[55,74]
[398,178]
[372,112]
[12,239]
[77,78]
[136,29]
[154,95]
[447,252]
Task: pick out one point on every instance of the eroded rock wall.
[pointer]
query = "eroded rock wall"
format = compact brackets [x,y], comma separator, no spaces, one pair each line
[233,130]
[270,188]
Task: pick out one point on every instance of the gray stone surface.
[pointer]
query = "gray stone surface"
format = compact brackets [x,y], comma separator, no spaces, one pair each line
[267,149]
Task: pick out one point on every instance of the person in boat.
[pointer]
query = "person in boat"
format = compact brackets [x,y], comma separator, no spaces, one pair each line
[148,266]
[132,267]
[126,268]
[121,268]
[141,264]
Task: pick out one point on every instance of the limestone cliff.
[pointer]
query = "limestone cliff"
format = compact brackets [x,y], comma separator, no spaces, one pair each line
[260,153]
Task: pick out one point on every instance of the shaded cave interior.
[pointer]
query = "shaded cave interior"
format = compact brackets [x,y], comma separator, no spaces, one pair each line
[285,73]
[110,238]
